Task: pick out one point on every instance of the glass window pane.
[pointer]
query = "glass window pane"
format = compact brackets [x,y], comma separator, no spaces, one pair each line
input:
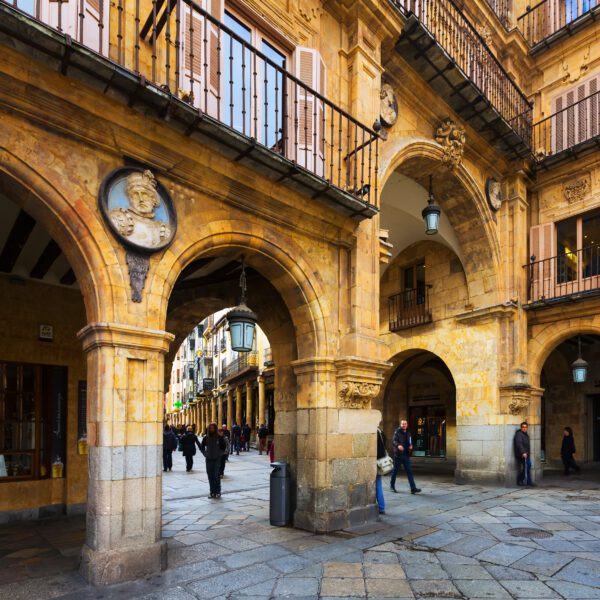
[273,134]
[590,255]
[566,249]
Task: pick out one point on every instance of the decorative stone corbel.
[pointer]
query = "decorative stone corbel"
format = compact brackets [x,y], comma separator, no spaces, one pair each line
[452,138]
[518,405]
[357,394]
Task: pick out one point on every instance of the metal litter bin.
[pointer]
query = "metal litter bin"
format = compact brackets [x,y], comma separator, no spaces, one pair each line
[279,513]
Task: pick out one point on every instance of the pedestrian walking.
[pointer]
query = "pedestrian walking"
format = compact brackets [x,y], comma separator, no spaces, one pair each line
[246,431]
[523,455]
[381,453]
[189,441]
[567,449]
[225,455]
[170,443]
[402,442]
[262,434]
[213,447]
[236,434]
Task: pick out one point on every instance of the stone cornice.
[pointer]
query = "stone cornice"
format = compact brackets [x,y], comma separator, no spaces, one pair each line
[118,335]
[506,310]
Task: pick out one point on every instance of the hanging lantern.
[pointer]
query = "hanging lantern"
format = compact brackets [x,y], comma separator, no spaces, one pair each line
[242,320]
[579,367]
[431,213]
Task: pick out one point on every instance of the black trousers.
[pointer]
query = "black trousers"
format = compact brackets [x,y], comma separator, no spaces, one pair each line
[569,463]
[213,471]
[223,461]
[167,459]
[189,462]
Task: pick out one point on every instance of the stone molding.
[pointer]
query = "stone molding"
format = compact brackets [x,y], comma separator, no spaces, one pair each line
[505,310]
[97,335]
[451,138]
[357,394]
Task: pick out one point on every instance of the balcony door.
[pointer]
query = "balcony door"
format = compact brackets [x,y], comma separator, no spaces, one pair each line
[86,21]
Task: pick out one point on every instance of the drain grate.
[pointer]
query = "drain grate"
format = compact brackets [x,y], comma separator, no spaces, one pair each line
[529,532]
[583,498]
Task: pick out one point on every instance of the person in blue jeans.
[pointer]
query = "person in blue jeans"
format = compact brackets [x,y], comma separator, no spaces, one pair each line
[523,455]
[402,442]
[381,453]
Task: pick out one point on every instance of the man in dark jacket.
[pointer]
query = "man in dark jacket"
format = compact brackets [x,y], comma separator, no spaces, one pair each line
[246,431]
[262,434]
[523,455]
[402,442]
[169,444]
[189,441]
[213,447]
[236,432]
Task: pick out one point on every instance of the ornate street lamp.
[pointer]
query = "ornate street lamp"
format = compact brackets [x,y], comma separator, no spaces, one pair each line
[242,320]
[431,213]
[579,367]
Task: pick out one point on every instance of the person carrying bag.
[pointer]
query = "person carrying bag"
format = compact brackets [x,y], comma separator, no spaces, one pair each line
[384,466]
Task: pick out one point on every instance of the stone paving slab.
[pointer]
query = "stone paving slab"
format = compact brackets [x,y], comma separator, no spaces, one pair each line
[448,542]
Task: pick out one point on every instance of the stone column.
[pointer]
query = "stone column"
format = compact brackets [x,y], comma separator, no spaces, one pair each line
[229,408]
[249,418]
[238,404]
[219,410]
[213,410]
[261,400]
[125,390]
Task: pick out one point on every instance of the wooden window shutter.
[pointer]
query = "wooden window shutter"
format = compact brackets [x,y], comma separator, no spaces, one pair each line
[215,54]
[310,111]
[193,41]
[542,246]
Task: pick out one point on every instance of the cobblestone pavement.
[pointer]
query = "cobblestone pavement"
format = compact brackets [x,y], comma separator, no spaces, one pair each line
[449,541]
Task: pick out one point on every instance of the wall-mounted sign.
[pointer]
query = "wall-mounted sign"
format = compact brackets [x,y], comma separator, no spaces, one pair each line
[140,213]
[208,384]
[46,332]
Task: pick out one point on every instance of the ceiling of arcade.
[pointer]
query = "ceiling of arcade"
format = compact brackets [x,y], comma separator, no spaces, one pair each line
[27,251]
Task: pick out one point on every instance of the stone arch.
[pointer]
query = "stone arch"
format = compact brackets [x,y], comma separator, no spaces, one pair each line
[544,342]
[71,225]
[462,201]
[284,265]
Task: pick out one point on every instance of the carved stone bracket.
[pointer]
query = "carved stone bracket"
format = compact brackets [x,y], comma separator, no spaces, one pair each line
[518,405]
[452,138]
[138,265]
[357,394]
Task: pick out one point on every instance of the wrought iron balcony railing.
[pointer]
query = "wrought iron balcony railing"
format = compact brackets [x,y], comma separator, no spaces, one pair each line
[502,10]
[551,16]
[565,275]
[571,129]
[187,53]
[447,24]
[409,309]
[245,361]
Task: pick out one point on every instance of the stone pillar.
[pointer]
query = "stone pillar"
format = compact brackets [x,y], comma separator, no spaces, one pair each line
[261,400]
[249,418]
[238,404]
[229,408]
[125,389]
[219,410]
[213,410]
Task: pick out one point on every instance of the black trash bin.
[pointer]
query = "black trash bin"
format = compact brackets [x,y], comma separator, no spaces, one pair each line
[279,513]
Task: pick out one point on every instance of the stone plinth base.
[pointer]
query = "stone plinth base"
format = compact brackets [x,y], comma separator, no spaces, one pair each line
[116,566]
[326,522]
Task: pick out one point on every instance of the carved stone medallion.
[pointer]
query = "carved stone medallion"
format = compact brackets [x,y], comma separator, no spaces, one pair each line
[452,138]
[518,405]
[576,191]
[493,192]
[357,394]
[388,111]
[141,215]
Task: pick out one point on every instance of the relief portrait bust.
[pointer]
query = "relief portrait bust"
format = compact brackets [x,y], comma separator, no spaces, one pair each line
[138,209]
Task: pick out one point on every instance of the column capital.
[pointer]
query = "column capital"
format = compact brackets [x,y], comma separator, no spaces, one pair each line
[97,335]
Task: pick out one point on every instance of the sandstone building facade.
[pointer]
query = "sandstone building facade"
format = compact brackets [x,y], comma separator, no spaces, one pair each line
[148,148]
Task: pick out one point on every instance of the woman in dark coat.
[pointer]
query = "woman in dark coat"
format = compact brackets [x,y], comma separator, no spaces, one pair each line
[213,447]
[381,453]
[189,441]
[567,450]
